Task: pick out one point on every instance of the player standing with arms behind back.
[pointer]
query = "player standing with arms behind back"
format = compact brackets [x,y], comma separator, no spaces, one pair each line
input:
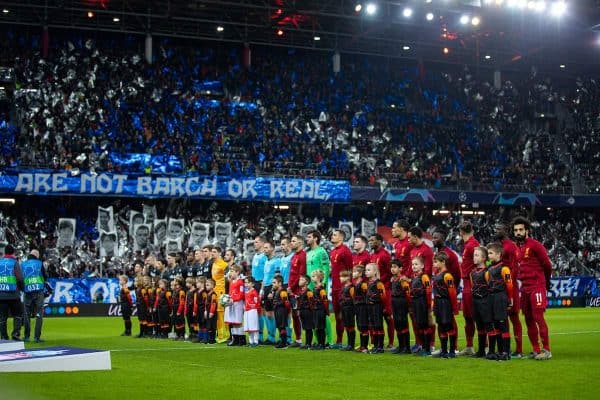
[535,270]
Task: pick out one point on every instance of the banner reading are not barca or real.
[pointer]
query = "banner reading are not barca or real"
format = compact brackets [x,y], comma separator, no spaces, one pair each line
[203,187]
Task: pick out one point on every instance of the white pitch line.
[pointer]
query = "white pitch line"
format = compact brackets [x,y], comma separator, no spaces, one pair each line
[574,333]
[166,348]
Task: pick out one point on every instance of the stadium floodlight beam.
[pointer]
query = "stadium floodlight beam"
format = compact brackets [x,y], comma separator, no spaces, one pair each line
[116,19]
[405,48]
[464,19]
[317,38]
[5,11]
[220,28]
[475,21]
[407,12]
[358,7]
[558,8]
[540,6]
[429,16]
[371,8]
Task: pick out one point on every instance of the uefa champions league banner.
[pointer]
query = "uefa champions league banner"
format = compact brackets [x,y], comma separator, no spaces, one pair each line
[85,291]
[204,187]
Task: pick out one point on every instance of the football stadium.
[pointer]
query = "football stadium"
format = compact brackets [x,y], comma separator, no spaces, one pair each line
[329,199]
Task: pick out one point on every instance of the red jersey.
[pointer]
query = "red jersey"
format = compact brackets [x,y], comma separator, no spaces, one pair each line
[426,253]
[535,267]
[297,269]
[252,300]
[402,249]
[453,265]
[384,261]
[236,290]
[362,258]
[341,259]
[467,258]
[510,256]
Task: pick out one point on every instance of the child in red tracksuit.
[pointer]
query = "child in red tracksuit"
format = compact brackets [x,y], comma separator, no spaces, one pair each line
[234,313]
[251,311]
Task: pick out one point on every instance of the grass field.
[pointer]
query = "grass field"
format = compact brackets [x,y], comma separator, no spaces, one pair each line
[164,369]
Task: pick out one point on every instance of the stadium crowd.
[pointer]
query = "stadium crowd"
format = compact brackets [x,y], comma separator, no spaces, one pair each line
[194,110]
[571,237]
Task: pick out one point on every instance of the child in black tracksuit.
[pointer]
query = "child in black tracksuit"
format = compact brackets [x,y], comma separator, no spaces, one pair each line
[281,309]
[306,305]
[321,310]
[126,304]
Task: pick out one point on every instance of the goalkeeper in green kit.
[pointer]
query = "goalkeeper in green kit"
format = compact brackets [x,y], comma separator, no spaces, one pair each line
[317,258]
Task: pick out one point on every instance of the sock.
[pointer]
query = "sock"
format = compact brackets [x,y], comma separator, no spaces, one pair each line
[351,337]
[270,321]
[390,330]
[364,340]
[444,340]
[453,340]
[492,341]
[339,329]
[481,342]
[128,326]
[261,327]
[309,337]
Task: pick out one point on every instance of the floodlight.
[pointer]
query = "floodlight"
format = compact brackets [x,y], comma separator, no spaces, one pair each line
[371,8]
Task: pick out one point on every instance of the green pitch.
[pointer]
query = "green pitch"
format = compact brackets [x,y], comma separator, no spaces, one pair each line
[164,369]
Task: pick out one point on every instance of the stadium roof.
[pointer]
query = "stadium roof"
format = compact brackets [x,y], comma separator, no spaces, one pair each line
[509,32]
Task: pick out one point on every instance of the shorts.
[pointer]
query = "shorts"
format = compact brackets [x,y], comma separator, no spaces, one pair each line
[307,319]
[533,299]
[499,306]
[348,316]
[375,312]
[400,309]
[234,314]
[281,317]
[319,318]
[481,310]
[362,316]
[126,311]
[442,309]
[420,312]
[251,320]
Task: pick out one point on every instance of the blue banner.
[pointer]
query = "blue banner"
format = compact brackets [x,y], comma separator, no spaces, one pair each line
[202,187]
[84,291]
[482,198]
[572,286]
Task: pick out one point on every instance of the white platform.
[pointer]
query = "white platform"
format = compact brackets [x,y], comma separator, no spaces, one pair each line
[11,345]
[54,359]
